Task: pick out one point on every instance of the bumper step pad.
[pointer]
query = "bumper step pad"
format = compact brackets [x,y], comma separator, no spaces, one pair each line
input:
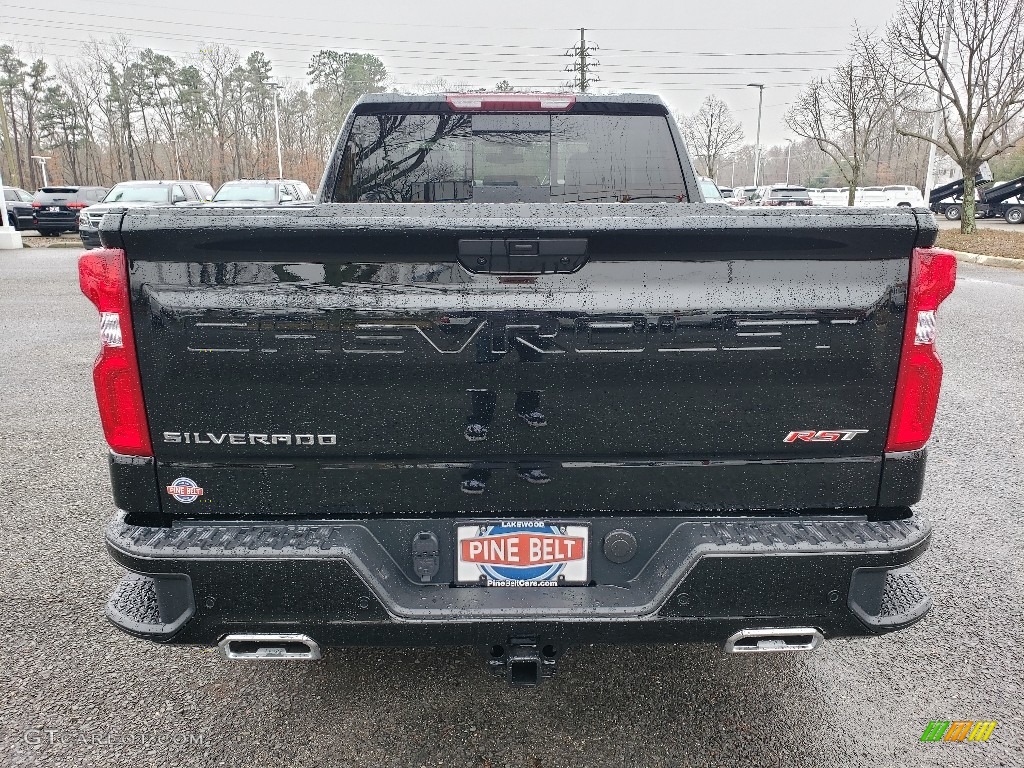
[148,607]
[888,598]
[133,602]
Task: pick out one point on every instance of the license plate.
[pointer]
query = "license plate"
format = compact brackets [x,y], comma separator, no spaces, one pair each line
[53,208]
[516,553]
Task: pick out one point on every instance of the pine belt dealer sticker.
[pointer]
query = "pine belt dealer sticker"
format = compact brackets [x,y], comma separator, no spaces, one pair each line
[185,490]
[522,554]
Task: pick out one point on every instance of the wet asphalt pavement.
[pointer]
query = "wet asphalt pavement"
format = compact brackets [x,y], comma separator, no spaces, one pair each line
[77,692]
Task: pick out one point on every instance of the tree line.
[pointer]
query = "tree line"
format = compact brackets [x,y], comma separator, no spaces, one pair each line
[944,75]
[116,113]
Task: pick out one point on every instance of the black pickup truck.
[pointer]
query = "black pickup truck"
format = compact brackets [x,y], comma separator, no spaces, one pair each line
[510,382]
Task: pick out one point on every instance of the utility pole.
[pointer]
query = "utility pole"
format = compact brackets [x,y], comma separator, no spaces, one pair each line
[937,117]
[789,159]
[584,63]
[277,130]
[177,156]
[757,145]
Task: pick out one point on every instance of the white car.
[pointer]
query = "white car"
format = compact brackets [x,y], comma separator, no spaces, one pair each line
[903,196]
[871,197]
[892,196]
[833,196]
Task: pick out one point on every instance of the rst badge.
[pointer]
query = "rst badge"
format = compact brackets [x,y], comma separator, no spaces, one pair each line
[822,435]
[522,554]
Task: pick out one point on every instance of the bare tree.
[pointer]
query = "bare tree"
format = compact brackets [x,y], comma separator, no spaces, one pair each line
[978,86]
[712,133]
[842,114]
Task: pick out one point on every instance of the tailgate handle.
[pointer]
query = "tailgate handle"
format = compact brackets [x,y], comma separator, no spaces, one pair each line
[523,256]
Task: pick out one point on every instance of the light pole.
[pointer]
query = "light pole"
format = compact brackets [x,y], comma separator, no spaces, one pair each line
[42,165]
[177,157]
[757,144]
[789,158]
[277,130]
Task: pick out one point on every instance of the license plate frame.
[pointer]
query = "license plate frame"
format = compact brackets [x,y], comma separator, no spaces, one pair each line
[522,553]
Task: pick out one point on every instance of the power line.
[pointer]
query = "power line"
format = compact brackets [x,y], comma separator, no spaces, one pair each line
[345,22]
[701,29]
[465,64]
[49,22]
[35,21]
[391,23]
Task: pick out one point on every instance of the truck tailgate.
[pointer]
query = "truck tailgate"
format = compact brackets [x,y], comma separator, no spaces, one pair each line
[411,359]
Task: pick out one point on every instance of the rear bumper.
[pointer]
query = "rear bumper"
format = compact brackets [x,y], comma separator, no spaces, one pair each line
[62,221]
[353,583]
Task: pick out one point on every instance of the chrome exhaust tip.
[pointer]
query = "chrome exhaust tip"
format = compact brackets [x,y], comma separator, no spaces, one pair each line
[269,647]
[774,640]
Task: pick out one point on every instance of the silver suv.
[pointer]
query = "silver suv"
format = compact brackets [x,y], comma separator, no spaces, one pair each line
[139,194]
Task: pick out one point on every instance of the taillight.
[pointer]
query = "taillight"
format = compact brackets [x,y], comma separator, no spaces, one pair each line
[76,206]
[37,205]
[932,279]
[103,277]
[510,102]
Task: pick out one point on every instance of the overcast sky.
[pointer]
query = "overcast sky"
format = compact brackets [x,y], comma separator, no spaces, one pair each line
[650,45]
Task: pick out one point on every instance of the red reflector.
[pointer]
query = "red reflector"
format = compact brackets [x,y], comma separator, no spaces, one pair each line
[932,279]
[103,277]
[510,102]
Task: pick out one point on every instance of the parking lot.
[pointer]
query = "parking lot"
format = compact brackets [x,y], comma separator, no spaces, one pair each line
[78,692]
[982,224]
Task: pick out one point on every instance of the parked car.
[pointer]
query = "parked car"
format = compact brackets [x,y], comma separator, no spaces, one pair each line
[258,192]
[711,192]
[397,423]
[56,209]
[832,196]
[135,194]
[785,196]
[904,196]
[871,197]
[747,194]
[19,207]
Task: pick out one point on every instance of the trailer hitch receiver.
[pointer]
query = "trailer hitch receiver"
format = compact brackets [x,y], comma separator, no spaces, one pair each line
[523,661]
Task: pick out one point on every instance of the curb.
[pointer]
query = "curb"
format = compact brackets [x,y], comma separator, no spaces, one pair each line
[990,261]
